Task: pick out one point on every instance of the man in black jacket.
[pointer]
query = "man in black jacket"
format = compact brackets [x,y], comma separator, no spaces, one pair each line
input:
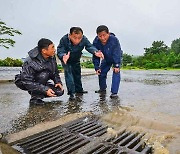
[38,69]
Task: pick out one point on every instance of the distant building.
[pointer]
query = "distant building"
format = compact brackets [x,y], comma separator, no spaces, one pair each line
[86,56]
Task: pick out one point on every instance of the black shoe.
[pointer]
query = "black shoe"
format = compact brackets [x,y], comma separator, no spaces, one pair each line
[100,91]
[82,92]
[71,97]
[36,102]
[113,95]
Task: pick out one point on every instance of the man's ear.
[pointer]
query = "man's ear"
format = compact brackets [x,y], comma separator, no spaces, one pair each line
[43,50]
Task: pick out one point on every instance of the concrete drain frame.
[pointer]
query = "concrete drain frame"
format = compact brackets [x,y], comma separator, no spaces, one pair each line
[70,137]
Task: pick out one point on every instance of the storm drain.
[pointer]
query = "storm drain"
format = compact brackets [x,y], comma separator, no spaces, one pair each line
[62,139]
[72,136]
[125,143]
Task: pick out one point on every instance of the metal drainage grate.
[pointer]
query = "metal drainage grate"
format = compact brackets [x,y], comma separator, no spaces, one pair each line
[62,139]
[125,143]
[70,137]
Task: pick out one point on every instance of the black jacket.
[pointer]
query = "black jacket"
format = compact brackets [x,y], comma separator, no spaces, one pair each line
[36,71]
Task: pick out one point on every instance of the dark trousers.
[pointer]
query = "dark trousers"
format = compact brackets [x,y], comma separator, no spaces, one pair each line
[105,67]
[72,73]
[43,78]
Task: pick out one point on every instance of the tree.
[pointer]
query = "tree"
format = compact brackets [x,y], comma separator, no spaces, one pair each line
[127,59]
[175,46]
[7,31]
[157,47]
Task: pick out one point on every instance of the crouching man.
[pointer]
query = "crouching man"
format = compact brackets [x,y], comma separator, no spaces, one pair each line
[38,70]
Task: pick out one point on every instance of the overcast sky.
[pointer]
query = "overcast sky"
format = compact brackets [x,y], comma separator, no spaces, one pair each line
[137,23]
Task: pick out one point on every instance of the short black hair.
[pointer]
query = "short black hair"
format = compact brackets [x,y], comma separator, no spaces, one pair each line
[44,43]
[102,28]
[76,30]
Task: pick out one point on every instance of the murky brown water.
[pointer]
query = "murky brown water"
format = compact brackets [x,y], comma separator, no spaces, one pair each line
[153,92]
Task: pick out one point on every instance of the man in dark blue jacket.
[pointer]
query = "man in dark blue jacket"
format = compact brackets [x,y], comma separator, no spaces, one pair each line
[109,45]
[69,52]
[36,72]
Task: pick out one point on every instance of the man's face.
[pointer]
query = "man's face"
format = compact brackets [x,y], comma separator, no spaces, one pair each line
[50,51]
[75,38]
[103,37]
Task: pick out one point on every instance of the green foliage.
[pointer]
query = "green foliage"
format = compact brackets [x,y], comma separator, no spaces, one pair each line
[11,62]
[127,59]
[59,67]
[159,56]
[7,31]
[157,47]
[175,46]
[87,64]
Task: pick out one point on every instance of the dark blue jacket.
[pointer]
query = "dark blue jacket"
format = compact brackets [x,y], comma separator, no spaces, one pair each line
[111,50]
[66,45]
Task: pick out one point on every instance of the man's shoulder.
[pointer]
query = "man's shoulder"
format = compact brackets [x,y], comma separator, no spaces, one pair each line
[65,37]
[32,61]
[113,37]
[28,60]
[84,39]
[96,40]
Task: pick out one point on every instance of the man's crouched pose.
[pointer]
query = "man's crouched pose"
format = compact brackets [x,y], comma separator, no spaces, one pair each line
[37,70]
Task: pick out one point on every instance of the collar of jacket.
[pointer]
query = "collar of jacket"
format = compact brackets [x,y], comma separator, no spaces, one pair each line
[96,40]
[34,53]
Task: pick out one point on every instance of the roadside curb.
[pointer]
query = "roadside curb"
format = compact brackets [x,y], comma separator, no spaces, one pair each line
[84,73]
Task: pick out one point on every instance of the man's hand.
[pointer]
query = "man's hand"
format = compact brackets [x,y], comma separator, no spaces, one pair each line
[116,70]
[98,72]
[66,57]
[59,85]
[99,54]
[50,93]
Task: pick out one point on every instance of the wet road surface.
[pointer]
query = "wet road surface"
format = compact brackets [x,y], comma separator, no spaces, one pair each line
[148,91]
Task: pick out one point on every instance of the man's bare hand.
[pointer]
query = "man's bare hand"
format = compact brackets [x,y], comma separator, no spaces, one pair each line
[50,93]
[116,70]
[59,85]
[66,57]
[99,54]
[98,72]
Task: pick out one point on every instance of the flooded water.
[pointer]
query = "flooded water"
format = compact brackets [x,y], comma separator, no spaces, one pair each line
[149,91]
[153,92]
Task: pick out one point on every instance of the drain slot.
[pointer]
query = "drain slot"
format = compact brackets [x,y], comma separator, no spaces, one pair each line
[62,139]
[125,143]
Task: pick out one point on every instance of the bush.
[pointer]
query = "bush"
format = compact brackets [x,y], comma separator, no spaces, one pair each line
[87,64]
[11,62]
